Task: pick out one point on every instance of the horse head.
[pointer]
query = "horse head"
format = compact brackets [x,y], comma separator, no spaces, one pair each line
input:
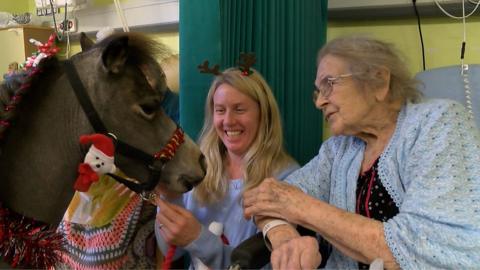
[116,57]
[126,86]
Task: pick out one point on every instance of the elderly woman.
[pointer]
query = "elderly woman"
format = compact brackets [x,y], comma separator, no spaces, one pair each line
[399,180]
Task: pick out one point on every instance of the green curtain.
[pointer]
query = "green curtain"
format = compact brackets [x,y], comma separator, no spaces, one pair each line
[285,35]
[199,31]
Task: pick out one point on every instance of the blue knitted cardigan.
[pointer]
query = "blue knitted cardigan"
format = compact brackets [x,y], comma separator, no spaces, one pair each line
[431,169]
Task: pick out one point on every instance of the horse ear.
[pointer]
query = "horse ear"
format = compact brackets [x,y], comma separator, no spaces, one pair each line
[114,55]
[85,42]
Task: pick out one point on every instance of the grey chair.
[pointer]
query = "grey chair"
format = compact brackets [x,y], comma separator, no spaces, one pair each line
[450,82]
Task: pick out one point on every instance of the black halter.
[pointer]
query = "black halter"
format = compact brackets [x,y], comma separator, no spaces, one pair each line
[165,155]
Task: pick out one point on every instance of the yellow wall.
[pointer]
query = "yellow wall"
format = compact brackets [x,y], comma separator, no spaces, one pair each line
[31,3]
[17,6]
[442,35]
[20,6]
[442,38]
[171,39]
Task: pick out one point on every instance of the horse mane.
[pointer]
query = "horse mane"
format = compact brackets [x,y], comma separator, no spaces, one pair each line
[142,49]
[17,87]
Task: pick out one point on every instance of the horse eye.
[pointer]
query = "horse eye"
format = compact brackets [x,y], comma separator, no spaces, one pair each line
[147,109]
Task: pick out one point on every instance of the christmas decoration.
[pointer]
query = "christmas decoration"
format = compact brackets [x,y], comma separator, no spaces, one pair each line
[26,243]
[45,50]
[98,160]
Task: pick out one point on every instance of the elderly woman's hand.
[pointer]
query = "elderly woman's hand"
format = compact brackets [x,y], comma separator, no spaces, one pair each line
[298,253]
[273,198]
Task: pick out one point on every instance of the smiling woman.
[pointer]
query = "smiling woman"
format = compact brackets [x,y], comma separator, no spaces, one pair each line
[243,144]
[236,120]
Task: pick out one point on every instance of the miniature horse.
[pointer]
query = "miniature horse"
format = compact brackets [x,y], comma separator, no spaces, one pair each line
[40,147]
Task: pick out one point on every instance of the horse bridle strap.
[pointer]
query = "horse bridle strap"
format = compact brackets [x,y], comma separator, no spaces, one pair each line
[165,155]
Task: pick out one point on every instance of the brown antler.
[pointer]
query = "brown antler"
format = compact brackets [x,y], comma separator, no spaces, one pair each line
[205,69]
[247,60]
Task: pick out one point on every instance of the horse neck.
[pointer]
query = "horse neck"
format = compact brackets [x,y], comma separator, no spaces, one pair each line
[40,153]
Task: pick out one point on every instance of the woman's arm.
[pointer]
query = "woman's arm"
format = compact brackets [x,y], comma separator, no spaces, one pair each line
[356,236]
[359,237]
[437,176]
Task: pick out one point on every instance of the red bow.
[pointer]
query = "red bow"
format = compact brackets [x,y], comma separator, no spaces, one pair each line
[86,177]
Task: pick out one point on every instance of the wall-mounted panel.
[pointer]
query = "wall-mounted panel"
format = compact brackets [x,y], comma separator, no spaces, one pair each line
[138,14]
[371,9]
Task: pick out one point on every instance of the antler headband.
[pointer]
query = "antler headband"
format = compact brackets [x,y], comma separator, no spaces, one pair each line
[247,60]
[205,69]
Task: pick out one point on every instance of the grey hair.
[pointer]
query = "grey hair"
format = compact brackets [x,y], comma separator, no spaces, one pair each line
[365,55]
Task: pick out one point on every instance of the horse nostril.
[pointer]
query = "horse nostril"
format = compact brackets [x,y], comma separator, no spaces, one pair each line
[203,163]
[189,186]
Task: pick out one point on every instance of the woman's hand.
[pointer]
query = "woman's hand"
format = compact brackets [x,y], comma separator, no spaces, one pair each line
[162,190]
[177,225]
[273,198]
[298,253]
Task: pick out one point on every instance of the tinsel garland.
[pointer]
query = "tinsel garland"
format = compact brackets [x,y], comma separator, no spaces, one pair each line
[27,243]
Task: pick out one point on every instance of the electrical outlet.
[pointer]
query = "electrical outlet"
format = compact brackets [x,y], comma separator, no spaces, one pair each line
[69,25]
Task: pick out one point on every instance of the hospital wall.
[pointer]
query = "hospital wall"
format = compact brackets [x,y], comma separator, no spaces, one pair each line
[18,6]
[442,36]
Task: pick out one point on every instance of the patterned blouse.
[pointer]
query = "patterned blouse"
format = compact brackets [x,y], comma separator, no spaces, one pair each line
[373,200]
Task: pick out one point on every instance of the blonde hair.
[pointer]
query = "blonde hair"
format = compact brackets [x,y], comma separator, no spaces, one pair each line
[364,55]
[265,157]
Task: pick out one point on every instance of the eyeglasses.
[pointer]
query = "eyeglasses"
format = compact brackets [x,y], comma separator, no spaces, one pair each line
[326,85]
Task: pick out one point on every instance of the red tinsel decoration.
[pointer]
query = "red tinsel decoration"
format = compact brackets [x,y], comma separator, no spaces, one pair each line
[27,243]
